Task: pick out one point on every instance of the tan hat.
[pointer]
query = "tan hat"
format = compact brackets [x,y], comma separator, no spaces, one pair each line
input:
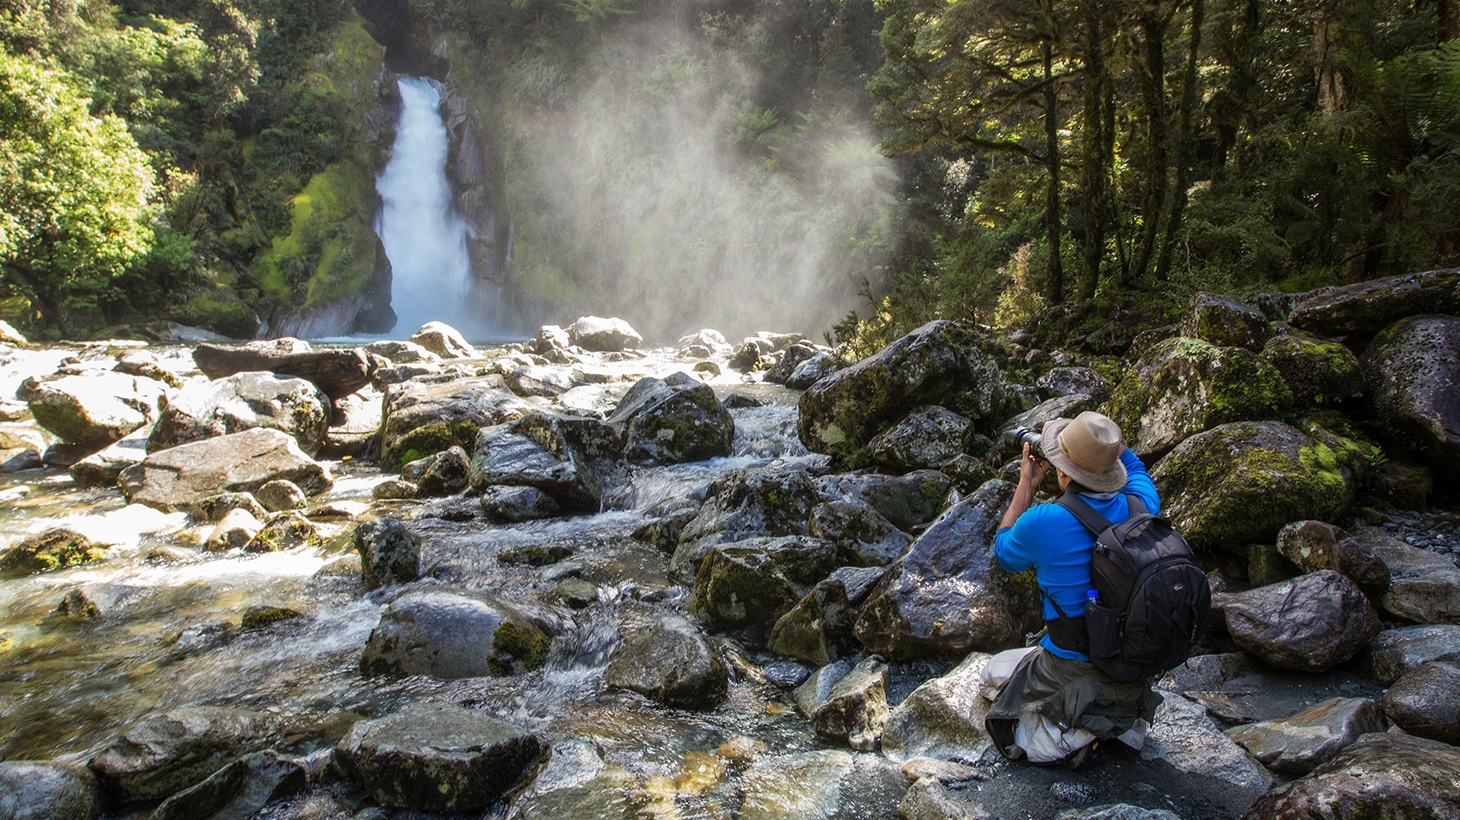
[1087,450]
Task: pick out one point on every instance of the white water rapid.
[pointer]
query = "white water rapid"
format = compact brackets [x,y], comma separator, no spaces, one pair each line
[424,237]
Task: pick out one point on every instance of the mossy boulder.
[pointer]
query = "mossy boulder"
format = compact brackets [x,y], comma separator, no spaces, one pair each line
[1225,322]
[389,552]
[1320,374]
[1365,308]
[908,501]
[672,663]
[761,501]
[242,402]
[925,438]
[1412,371]
[573,459]
[864,537]
[1384,776]
[1240,483]
[672,420]
[451,634]
[818,629]
[1183,386]
[741,588]
[285,531]
[424,418]
[52,549]
[942,363]
[444,473]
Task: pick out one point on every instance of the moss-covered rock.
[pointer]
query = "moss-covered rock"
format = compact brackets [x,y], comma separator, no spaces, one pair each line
[1384,776]
[285,531]
[422,419]
[450,634]
[260,617]
[1412,370]
[672,420]
[52,549]
[1225,322]
[942,363]
[1239,483]
[1183,386]
[672,663]
[740,588]
[1320,374]
[1365,308]
[575,460]
[763,501]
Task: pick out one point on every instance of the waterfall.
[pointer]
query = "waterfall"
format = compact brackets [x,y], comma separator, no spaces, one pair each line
[424,236]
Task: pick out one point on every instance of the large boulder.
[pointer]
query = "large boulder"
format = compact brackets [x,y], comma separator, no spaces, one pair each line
[337,372]
[823,785]
[942,363]
[761,501]
[1412,371]
[575,460]
[1365,308]
[1184,736]
[752,583]
[1426,701]
[167,753]
[96,409]
[437,757]
[421,419]
[925,438]
[941,719]
[603,335]
[451,634]
[864,537]
[1224,322]
[237,790]
[243,402]
[1387,776]
[907,501]
[239,462]
[443,340]
[818,629]
[389,552]
[1424,587]
[672,663]
[1300,743]
[672,420]
[1395,652]
[1316,545]
[1240,483]
[846,702]
[1320,374]
[947,595]
[46,790]
[1067,381]
[1183,386]
[1311,623]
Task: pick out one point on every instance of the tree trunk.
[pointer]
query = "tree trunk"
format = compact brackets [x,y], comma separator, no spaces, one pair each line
[1093,150]
[1153,99]
[1055,283]
[1185,143]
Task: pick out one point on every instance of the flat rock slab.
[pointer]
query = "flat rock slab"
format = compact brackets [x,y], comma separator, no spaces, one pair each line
[1185,737]
[167,753]
[1394,652]
[1365,308]
[240,462]
[437,757]
[1301,742]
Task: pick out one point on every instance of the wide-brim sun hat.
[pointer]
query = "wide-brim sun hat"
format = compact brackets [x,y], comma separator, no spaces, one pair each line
[1087,448]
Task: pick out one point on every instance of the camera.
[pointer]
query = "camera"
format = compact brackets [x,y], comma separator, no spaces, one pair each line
[1019,436]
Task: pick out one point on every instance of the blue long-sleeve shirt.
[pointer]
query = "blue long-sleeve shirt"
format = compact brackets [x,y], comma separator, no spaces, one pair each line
[1049,538]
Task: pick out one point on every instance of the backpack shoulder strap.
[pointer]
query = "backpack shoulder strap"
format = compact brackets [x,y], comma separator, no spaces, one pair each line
[1136,505]
[1081,509]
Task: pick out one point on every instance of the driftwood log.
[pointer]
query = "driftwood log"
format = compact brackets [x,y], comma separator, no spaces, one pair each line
[337,372]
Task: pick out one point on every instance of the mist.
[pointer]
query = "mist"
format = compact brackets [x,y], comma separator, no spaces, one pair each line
[662,192]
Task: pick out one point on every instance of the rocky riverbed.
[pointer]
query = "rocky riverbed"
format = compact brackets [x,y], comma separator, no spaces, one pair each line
[573,577]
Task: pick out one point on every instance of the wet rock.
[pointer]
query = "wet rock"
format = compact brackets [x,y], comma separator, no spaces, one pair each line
[511,504]
[103,469]
[1184,386]
[443,340]
[1240,483]
[764,501]
[827,785]
[845,702]
[535,555]
[1394,652]
[285,531]
[445,473]
[243,402]
[1077,793]
[234,531]
[534,380]
[672,663]
[943,771]
[1319,373]
[1315,545]
[793,357]
[924,438]
[1067,381]
[20,459]
[738,587]
[713,340]
[1365,308]
[167,753]
[236,790]
[1423,587]
[1183,736]
[864,538]
[818,629]
[281,495]
[1425,701]
[437,757]
[450,634]
[814,370]
[337,372]
[1382,775]
[1117,811]
[144,364]
[394,489]
[94,410]
[942,719]
[1310,623]
[240,462]
[422,419]
[1411,370]
[927,799]
[215,508]
[47,790]
[77,606]
[576,593]
[1225,322]
[947,595]
[908,501]
[575,460]
[53,549]
[1205,672]
[1302,742]
[603,335]
[941,363]
[671,421]
[746,358]
[401,352]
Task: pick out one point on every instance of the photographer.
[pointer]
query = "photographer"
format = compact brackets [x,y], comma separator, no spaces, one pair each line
[1055,706]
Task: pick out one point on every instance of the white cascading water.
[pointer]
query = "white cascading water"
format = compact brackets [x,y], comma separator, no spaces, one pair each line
[424,237]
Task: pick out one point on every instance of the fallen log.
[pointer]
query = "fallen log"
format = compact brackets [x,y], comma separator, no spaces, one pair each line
[338,372]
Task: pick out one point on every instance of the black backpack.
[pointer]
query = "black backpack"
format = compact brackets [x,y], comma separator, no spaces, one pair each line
[1154,600]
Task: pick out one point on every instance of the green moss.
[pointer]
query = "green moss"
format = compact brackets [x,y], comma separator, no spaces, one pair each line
[258,617]
[428,440]
[527,645]
[49,551]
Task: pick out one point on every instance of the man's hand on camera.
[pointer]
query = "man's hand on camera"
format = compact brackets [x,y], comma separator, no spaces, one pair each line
[1032,468]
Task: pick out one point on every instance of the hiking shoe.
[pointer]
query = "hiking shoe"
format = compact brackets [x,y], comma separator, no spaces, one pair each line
[1085,756]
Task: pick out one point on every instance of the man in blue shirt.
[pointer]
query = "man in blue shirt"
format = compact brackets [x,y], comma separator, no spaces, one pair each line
[1056,705]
